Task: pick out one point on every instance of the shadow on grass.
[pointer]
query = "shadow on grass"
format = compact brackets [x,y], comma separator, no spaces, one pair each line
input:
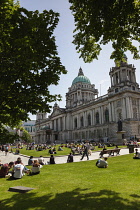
[78,199]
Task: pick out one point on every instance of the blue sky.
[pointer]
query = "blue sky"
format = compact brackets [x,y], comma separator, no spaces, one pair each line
[97,71]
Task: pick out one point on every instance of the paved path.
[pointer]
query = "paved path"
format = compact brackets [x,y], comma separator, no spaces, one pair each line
[58,160]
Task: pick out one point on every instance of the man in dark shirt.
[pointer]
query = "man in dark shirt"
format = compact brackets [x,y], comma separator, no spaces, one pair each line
[70,158]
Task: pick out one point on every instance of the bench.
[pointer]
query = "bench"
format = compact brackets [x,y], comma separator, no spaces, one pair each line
[110,152]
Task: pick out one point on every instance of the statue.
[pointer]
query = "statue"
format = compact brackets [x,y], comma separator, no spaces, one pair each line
[119,125]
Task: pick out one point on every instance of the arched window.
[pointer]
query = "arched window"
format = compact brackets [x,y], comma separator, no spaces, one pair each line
[75,123]
[82,121]
[106,115]
[89,119]
[97,118]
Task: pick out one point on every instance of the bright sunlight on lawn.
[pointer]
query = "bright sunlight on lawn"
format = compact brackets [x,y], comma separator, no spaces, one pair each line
[80,186]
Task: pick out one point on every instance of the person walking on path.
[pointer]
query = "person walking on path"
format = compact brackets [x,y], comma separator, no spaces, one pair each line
[6,150]
[85,152]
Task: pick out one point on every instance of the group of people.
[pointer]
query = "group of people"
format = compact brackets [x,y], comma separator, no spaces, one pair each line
[16,170]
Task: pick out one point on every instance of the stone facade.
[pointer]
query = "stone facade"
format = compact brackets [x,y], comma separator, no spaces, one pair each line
[88,117]
[30,127]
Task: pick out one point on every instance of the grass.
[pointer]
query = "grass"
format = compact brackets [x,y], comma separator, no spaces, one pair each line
[80,186]
[45,153]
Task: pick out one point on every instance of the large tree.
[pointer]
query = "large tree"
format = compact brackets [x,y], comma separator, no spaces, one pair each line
[99,22]
[29,61]
[26,136]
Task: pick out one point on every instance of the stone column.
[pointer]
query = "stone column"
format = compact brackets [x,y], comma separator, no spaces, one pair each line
[102,120]
[131,108]
[128,108]
[134,76]
[111,79]
[91,114]
[124,108]
[78,121]
[110,118]
[138,109]
[112,108]
[85,118]
[64,123]
[93,117]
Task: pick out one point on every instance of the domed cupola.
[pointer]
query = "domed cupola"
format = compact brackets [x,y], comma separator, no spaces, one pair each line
[123,77]
[81,78]
[81,91]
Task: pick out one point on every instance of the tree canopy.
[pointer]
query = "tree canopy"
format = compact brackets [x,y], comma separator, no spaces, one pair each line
[26,137]
[98,22]
[29,61]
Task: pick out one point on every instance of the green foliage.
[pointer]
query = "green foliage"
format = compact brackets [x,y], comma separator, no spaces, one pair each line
[29,62]
[7,136]
[26,136]
[100,22]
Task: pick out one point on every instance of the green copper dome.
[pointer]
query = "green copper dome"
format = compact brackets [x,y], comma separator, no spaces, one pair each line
[81,78]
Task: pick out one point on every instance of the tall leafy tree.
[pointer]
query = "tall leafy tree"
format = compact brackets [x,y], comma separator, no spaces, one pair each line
[29,62]
[98,22]
[26,136]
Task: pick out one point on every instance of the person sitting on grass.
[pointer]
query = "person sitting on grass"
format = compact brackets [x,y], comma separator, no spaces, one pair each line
[19,170]
[137,154]
[52,161]
[102,163]
[17,152]
[70,158]
[30,161]
[35,168]
[54,150]
[60,148]
[50,151]
[20,161]
[41,160]
[5,169]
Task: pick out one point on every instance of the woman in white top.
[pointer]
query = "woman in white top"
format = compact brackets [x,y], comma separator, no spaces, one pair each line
[18,170]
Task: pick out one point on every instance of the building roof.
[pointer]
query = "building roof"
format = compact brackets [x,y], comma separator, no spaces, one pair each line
[81,78]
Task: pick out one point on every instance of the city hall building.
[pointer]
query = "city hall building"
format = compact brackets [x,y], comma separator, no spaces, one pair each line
[89,117]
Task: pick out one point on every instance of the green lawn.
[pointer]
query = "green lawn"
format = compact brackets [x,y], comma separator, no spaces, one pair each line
[45,153]
[80,186]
